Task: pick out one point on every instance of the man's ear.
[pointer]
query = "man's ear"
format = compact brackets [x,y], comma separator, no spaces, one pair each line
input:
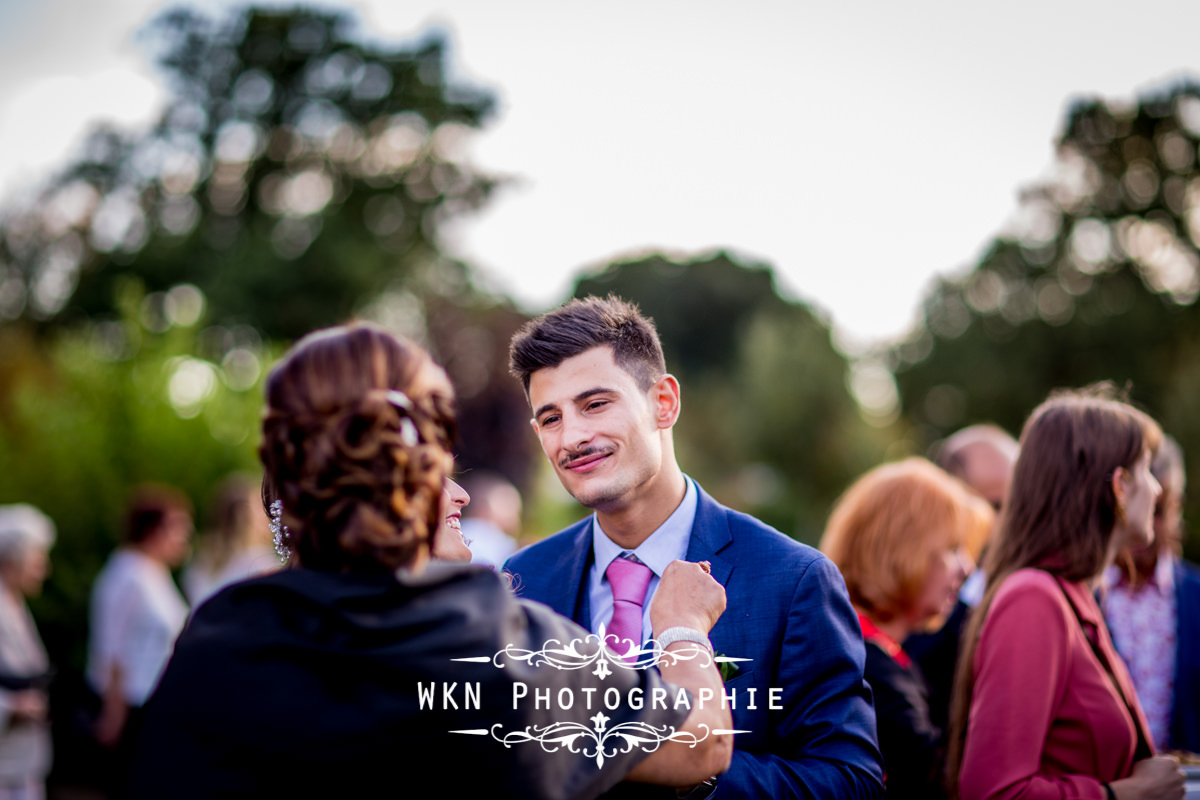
[533,424]
[664,397]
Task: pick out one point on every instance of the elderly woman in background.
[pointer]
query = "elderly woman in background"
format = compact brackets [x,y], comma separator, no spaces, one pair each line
[898,536]
[308,682]
[238,546]
[26,535]
[1043,706]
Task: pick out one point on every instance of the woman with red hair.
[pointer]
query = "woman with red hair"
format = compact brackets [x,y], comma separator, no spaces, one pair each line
[900,535]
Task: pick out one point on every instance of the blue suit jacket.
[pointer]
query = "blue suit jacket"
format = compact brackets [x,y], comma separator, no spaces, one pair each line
[788,610]
[1185,714]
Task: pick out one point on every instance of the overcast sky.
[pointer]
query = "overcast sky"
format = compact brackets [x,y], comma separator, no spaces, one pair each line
[859,148]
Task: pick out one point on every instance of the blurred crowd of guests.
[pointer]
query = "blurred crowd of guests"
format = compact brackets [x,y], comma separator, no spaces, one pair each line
[1024,606]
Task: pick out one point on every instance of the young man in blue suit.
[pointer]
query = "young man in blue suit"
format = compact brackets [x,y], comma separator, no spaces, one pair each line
[603,409]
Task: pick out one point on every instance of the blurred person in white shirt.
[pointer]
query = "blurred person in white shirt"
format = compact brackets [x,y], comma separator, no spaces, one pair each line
[137,612]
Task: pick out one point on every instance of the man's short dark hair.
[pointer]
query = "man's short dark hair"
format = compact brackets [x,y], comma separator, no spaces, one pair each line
[579,326]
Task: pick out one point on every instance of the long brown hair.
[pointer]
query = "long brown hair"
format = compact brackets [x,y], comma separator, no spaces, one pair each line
[356,442]
[1060,514]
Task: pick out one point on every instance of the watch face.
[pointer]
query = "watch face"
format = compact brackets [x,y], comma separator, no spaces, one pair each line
[699,791]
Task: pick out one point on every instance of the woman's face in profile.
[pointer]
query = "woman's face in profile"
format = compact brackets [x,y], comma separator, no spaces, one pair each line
[948,568]
[448,543]
[1138,496]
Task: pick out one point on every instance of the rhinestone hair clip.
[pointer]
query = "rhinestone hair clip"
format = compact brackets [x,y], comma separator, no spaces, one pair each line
[408,429]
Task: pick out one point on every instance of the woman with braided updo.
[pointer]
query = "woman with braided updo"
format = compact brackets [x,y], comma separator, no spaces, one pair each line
[363,664]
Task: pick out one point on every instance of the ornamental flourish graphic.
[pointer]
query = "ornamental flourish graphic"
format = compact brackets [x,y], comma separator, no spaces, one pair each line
[570,657]
[598,742]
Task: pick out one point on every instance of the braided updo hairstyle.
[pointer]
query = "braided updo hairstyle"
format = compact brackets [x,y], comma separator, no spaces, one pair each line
[356,443]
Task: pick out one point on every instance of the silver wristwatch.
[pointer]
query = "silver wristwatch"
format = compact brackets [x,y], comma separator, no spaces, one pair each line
[682,634]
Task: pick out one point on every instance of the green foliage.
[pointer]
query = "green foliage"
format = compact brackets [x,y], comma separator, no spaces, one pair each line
[299,176]
[299,171]
[686,298]
[84,422]
[1097,280]
[768,424]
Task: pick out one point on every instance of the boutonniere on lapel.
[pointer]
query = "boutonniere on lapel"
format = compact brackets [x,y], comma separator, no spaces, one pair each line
[728,666]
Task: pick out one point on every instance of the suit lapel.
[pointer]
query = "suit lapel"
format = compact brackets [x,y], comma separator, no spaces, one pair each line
[567,589]
[710,541]
[710,535]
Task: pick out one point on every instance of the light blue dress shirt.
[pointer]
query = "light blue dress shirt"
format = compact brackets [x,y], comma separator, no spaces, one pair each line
[668,543]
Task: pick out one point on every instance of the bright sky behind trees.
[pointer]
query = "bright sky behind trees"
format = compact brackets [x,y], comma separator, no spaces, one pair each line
[857,148]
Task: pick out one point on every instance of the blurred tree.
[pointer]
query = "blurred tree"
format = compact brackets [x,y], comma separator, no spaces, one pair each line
[298,176]
[299,170]
[769,425]
[1097,279]
[101,410]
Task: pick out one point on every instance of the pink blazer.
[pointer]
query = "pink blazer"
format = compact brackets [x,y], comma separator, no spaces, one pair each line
[1046,720]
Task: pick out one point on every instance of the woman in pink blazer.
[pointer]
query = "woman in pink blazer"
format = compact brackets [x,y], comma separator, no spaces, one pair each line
[1044,707]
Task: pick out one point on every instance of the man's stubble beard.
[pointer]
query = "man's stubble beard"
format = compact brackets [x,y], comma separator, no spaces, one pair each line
[608,496]
[602,498]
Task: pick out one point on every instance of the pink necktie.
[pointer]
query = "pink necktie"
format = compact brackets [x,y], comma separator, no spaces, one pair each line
[629,581]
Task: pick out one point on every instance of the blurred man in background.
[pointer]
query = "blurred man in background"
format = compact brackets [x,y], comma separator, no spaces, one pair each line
[982,457]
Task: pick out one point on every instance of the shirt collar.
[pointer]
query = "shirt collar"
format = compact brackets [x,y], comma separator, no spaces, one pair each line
[131,558]
[668,543]
[887,644]
[1163,579]
[1164,573]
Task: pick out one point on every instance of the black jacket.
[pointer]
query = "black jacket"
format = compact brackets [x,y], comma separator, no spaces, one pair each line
[306,684]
